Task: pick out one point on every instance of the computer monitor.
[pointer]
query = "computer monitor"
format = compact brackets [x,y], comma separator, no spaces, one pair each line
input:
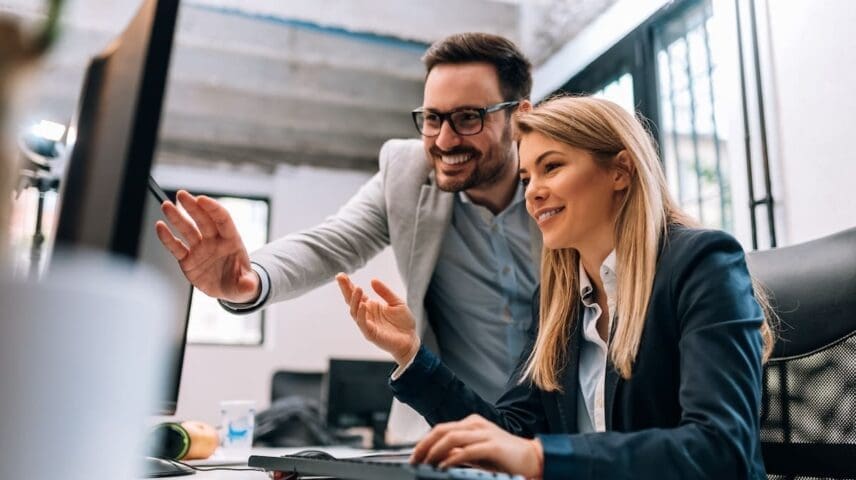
[113,137]
[152,254]
[104,202]
[358,395]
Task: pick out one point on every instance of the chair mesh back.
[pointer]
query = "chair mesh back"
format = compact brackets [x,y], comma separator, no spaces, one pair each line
[791,477]
[812,400]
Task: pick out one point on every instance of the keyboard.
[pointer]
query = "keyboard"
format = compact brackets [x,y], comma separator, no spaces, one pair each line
[370,469]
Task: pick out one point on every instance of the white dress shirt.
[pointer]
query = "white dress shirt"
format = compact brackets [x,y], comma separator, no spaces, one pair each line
[593,350]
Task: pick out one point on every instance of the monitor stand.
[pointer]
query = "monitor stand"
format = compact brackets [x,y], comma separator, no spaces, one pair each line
[378,424]
[158,467]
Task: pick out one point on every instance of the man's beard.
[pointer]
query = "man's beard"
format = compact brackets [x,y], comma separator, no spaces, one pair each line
[489,168]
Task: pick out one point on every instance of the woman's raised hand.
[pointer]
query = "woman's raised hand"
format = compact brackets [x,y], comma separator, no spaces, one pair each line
[387,323]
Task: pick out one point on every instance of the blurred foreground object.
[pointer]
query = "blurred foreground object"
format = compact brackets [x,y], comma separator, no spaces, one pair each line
[19,50]
[81,355]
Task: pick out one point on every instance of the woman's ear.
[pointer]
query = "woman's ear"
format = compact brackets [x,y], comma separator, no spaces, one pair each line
[525,106]
[623,171]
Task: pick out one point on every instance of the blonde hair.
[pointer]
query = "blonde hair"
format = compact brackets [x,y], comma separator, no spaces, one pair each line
[647,210]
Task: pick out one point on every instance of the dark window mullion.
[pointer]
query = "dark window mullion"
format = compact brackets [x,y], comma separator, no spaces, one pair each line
[747,144]
[762,130]
[644,78]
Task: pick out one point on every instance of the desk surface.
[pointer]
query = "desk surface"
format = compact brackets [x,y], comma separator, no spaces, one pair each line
[336,451]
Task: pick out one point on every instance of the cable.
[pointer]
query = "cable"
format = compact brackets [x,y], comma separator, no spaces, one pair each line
[208,469]
[272,474]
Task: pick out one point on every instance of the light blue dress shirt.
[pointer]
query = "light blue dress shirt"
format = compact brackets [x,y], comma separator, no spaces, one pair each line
[479,301]
[593,350]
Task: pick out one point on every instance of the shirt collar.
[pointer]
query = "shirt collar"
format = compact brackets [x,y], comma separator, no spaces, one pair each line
[607,275]
[486,215]
[517,198]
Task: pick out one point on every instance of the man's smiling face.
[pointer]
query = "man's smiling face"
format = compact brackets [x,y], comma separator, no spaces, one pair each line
[472,161]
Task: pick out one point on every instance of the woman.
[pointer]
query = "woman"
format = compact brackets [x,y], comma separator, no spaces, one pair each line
[646,361]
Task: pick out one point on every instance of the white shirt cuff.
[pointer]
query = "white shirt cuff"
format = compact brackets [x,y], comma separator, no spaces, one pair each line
[403,368]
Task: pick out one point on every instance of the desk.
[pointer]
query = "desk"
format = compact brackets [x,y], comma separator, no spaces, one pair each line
[336,451]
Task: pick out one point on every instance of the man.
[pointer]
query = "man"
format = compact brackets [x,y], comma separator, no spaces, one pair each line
[451,208]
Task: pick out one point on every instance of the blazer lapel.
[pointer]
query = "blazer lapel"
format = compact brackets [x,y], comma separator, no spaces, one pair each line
[567,400]
[433,216]
[611,384]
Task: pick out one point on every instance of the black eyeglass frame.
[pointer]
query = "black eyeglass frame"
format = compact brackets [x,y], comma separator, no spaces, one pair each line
[447,116]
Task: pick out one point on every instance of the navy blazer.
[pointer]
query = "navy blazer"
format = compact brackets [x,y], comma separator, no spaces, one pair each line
[691,408]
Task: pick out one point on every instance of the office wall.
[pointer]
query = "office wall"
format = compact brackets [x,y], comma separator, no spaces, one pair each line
[811,72]
[300,334]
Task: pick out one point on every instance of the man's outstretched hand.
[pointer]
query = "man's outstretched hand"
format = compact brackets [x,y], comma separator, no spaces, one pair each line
[209,249]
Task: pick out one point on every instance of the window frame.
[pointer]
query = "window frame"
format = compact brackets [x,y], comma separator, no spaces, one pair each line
[628,55]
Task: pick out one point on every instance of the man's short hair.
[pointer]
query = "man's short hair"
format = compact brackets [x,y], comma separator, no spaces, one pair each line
[512,67]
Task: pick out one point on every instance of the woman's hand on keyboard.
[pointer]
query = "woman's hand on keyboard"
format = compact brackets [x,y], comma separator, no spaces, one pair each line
[476,441]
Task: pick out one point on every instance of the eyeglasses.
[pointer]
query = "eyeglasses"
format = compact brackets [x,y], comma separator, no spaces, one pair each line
[464,121]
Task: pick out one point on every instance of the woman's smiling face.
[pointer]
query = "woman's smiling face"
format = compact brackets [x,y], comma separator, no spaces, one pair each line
[568,194]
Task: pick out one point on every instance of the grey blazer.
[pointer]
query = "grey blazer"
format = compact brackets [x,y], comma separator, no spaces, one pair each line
[400,206]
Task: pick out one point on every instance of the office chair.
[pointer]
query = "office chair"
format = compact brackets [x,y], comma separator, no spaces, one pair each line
[303,384]
[295,416]
[808,415]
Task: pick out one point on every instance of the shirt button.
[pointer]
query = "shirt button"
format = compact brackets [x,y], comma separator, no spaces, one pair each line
[506,269]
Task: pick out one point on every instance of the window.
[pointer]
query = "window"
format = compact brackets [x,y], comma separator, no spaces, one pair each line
[669,70]
[619,91]
[209,322]
[692,145]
